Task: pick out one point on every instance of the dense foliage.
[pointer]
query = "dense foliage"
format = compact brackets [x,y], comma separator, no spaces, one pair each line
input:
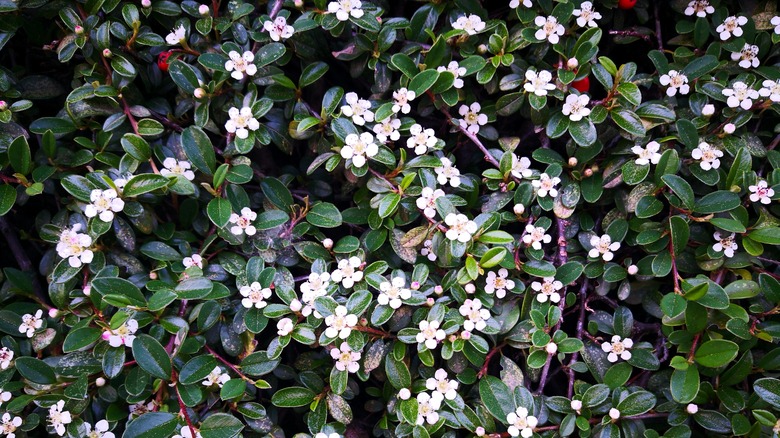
[389,218]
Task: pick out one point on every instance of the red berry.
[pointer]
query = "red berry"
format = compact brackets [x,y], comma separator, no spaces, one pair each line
[583,85]
[162,60]
[626,4]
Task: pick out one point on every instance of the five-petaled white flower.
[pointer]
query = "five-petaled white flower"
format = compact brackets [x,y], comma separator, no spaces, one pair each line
[498,283]
[427,250]
[648,154]
[427,201]
[346,359]
[185,432]
[547,290]
[748,56]
[460,227]
[520,423]
[538,82]
[122,335]
[104,204]
[421,139]
[535,236]
[603,247]
[441,384]
[59,418]
[241,122]
[194,260]
[761,192]
[74,246]
[549,30]
[618,348]
[708,155]
[316,286]
[240,64]
[676,81]
[770,89]
[725,243]
[516,3]
[401,99]
[9,425]
[254,295]
[586,15]
[576,107]
[243,224]
[357,108]
[340,323]
[393,293]
[740,95]
[140,408]
[699,7]
[6,356]
[775,21]
[475,316]
[348,272]
[430,334]
[457,71]
[471,24]
[388,129]
[545,185]
[731,26]
[447,172]
[278,29]
[427,407]
[521,167]
[173,167]
[177,36]
[31,323]
[344,8]
[284,327]
[472,118]
[358,148]
[216,377]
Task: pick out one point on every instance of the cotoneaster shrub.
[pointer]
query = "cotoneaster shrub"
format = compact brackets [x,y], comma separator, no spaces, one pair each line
[389,218]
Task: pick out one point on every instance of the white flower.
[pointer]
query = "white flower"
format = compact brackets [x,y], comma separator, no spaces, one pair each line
[708,155]
[770,89]
[535,236]
[73,246]
[430,334]
[254,295]
[576,107]
[185,432]
[284,327]
[401,99]
[104,204]
[458,71]
[4,397]
[520,423]
[471,24]
[603,247]
[475,316]
[521,167]
[316,286]
[31,323]
[122,335]
[538,82]
[421,139]
[586,15]
[731,26]
[439,382]
[427,405]
[614,413]
[404,394]
[699,7]
[727,244]
[546,186]
[330,435]
[346,359]
[6,356]
[9,425]
[447,172]
[194,260]
[176,36]
[344,8]
[576,405]
[761,192]
[551,348]
[388,129]
[617,349]
[340,323]
[549,30]
[748,56]
[243,223]
[676,81]
[240,64]
[278,29]
[472,118]
[140,408]
[516,3]
[775,21]
[427,201]
[393,292]
[427,250]
[358,109]
[241,122]
[498,283]
[461,228]
[358,148]
[348,272]
[648,154]
[172,167]
[548,290]
[518,209]
[692,409]
[216,377]
[59,418]
[708,110]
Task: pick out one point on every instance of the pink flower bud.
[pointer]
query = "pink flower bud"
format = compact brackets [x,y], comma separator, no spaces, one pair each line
[199,93]
[107,53]
[708,110]
[53,313]
[87,290]
[465,336]
[203,10]
[438,290]
[78,29]
[633,269]
[327,243]
[404,394]
[3,105]
[470,288]
[100,382]
[572,63]
[106,335]
[429,302]
[415,285]
[146,3]
[729,128]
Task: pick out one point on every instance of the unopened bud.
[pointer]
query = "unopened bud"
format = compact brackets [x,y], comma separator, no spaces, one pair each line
[415,285]
[146,3]
[452,338]
[78,29]
[298,4]
[588,172]
[100,382]
[327,243]
[692,409]
[3,105]
[404,394]
[551,348]
[576,405]
[106,335]
[203,10]
[53,313]
[465,336]
[429,302]
[295,305]
[438,290]
[482,49]
[153,275]
[470,288]
[480,431]
[87,290]
[572,63]
[199,93]
[573,161]
[107,53]
[614,414]
[519,209]
[708,110]
[729,128]
[363,322]
[633,269]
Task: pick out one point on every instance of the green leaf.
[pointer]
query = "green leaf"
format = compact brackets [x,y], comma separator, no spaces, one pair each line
[81,338]
[388,204]
[108,286]
[633,173]
[269,53]
[636,403]
[136,147]
[197,369]
[324,215]
[219,211]
[397,373]
[684,384]
[293,396]
[629,121]
[194,288]
[681,188]
[496,397]
[768,388]
[539,268]
[423,81]
[152,357]
[496,237]
[19,155]
[198,148]
[144,183]
[769,235]
[56,125]
[152,425]
[716,353]
[700,66]
[232,389]
[404,64]
[35,370]
[689,135]
[7,198]
[583,132]
[277,193]
[680,233]
[717,202]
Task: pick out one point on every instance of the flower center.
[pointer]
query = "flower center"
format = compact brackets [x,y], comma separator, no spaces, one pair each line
[618,348]
[550,26]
